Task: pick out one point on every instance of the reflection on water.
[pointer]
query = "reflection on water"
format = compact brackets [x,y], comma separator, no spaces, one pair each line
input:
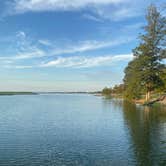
[147,126]
[80,130]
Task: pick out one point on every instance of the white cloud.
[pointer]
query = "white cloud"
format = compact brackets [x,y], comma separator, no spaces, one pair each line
[22,47]
[90,45]
[17,67]
[86,62]
[77,62]
[27,51]
[28,48]
[37,53]
[21,34]
[45,42]
[25,55]
[107,9]
[61,5]
[92,17]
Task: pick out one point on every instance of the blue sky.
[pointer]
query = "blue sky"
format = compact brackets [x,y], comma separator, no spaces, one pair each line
[62,45]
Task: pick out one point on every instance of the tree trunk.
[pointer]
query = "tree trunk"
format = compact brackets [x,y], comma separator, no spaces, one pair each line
[147,95]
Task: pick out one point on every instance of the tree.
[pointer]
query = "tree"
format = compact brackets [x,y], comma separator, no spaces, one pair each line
[117,89]
[132,80]
[106,91]
[144,72]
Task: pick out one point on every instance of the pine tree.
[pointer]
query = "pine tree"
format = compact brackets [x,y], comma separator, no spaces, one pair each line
[144,72]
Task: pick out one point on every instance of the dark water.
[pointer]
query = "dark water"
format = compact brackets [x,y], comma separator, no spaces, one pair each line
[80,130]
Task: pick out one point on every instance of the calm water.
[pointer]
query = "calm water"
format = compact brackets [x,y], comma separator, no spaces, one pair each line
[83,130]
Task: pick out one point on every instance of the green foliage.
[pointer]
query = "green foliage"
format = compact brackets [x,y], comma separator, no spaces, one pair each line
[117,89]
[162,89]
[106,91]
[132,80]
[144,73]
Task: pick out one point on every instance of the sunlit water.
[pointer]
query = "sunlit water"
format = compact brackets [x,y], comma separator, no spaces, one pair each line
[80,130]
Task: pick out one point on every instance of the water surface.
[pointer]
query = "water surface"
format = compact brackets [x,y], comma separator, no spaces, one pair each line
[80,129]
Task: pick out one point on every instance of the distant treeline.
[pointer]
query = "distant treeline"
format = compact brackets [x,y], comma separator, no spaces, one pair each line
[17,93]
[146,73]
[117,89]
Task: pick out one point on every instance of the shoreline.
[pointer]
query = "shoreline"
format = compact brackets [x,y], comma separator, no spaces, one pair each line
[17,93]
[161,100]
[9,93]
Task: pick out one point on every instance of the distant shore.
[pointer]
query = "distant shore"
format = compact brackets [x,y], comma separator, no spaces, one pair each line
[160,100]
[17,93]
[37,93]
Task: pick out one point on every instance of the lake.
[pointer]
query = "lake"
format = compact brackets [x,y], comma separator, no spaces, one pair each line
[80,130]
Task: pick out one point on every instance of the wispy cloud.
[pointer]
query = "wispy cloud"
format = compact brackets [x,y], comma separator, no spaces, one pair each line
[37,53]
[65,5]
[28,48]
[45,42]
[107,9]
[90,45]
[92,17]
[135,26]
[22,48]
[86,62]
[17,67]
[77,62]
[30,53]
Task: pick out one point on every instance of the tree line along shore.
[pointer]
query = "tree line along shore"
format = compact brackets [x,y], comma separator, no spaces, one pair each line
[145,76]
[16,93]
